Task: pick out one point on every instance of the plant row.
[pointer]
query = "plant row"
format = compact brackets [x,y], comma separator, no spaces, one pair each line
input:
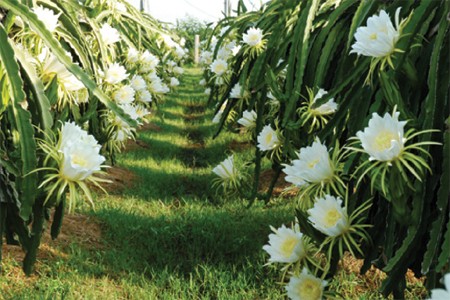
[349,101]
[76,80]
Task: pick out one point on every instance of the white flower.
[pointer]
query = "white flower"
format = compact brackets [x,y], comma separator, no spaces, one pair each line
[236,92]
[378,38]
[166,89]
[122,133]
[383,138]
[224,53]
[442,294]
[230,46]
[202,82]
[271,96]
[132,56]
[268,139]
[47,16]
[178,70]
[131,111]
[70,82]
[313,165]
[50,63]
[179,52]
[152,76]
[168,41]
[213,43]
[124,130]
[174,82]
[19,22]
[206,57]
[248,119]
[328,216]
[80,153]
[157,86]
[72,133]
[253,37]
[272,100]
[219,67]
[325,109]
[144,96]
[109,34]
[305,287]
[121,7]
[236,50]
[124,95]
[149,60]
[217,117]
[280,61]
[80,161]
[285,245]
[293,173]
[115,74]
[171,63]
[142,111]
[226,169]
[138,83]
[52,66]
[100,73]
[223,30]
[207,91]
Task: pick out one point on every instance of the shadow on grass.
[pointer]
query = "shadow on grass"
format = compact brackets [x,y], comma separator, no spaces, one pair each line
[163,184]
[171,129]
[190,237]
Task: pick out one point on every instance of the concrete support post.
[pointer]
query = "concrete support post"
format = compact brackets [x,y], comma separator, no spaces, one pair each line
[197,49]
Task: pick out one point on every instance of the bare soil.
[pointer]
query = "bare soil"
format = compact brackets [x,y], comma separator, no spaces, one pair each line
[120,180]
[281,186]
[77,228]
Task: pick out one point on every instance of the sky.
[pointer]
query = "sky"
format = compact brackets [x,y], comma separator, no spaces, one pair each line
[205,10]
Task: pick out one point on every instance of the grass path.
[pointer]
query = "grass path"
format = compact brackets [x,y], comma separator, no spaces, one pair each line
[167,236]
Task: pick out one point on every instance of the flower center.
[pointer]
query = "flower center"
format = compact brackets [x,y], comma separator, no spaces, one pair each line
[220,68]
[288,245]
[269,138]
[79,160]
[115,74]
[331,218]
[254,38]
[309,289]
[384,140]
[313,163]
[373,36]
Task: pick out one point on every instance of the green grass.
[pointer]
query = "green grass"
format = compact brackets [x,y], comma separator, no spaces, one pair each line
[170,235]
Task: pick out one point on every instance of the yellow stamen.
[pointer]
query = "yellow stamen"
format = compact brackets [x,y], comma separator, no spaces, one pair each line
[331,218]
[313,163]
[384,140]
[269,138]
[288,246]
[78,160]
[310,289]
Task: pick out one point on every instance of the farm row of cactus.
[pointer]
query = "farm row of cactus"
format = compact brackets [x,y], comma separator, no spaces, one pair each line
[349,100]
[76,80]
